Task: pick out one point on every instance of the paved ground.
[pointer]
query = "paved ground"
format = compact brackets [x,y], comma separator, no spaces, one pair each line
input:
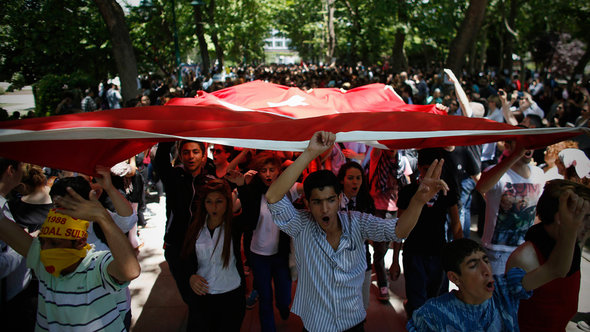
[21,100]
[157,305]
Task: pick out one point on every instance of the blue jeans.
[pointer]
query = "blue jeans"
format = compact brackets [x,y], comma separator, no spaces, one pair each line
[467,187]
[268,270]
[424,276]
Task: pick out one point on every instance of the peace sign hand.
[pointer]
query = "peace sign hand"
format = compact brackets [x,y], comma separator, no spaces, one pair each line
[431,182]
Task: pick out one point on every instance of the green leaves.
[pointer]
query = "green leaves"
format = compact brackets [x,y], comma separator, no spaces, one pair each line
[44,36]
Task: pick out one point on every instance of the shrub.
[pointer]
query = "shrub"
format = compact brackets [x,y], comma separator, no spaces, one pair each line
[52,89]
[17,82]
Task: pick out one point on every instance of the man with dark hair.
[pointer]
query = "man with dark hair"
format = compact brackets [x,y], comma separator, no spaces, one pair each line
[78,183]
[329,243]
[180,184]
[487,302]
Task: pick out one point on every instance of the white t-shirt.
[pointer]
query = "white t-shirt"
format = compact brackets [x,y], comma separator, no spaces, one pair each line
[220,279]
[511,208]
[265,238]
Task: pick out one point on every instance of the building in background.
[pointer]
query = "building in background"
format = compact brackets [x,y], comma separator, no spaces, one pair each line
[276,49]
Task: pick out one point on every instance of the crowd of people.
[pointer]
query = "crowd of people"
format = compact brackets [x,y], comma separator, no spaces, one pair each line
[277,217]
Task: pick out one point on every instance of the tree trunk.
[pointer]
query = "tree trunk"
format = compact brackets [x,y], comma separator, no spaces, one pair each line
[331,32]
[203,48]
[114,18]
[466,34]
[399,62]
[213,33]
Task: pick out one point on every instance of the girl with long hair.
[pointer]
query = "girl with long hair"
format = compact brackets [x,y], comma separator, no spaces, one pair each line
[213,264]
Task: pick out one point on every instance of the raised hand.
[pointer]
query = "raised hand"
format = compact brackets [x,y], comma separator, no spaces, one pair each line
[442,107]
[348,153]
[104,178]
[198,284]
[572,210]
[249,175]
[76,206]
[431,182]
[235,176]
[504,98]
[320,142]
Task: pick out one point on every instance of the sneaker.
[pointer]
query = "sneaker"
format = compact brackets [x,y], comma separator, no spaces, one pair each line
[252,299]
[582,325]
[383,294]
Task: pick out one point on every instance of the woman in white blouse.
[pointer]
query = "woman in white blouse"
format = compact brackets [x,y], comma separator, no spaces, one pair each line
[213,262]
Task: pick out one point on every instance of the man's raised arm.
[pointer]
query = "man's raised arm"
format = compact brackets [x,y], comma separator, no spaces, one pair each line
[319,142]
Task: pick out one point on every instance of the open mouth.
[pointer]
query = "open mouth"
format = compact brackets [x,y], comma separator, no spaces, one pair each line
[528,153]
[326,219]
[490,286]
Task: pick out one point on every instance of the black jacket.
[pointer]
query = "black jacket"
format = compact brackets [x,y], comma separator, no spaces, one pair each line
[181,190]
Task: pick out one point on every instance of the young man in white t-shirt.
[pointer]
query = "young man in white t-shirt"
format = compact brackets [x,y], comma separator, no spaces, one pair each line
[511,189]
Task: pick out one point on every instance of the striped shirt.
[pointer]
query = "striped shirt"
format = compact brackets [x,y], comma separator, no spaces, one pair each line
[88,299]
[329,293]
[498,313]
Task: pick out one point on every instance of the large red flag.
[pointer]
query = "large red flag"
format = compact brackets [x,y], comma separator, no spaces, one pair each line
[256,115]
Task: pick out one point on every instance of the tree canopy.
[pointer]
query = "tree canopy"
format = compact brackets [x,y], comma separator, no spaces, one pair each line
[40,37]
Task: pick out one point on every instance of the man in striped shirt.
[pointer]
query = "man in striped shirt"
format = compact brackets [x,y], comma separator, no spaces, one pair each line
[79,289]
[329,243]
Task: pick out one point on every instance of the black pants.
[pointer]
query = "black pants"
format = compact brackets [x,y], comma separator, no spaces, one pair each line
[219,312]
